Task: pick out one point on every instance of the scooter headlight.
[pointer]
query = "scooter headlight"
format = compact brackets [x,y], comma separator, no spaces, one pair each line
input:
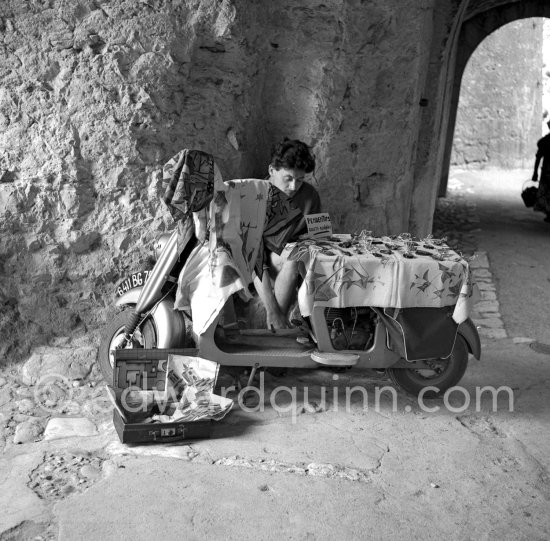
[160,243]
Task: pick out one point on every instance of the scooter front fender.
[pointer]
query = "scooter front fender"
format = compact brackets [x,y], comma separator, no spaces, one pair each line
[169,323]
[151,291]
[129,298]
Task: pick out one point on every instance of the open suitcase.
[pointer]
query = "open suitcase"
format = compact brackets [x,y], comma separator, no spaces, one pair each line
[146,369]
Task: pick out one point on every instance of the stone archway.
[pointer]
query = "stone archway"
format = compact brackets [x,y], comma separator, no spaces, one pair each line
[475,28]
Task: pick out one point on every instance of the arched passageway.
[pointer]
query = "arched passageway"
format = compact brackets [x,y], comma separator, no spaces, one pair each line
[499,114]
[488,204]
[475,28]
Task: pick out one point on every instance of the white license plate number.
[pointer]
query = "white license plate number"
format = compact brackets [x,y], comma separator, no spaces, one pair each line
[136,279]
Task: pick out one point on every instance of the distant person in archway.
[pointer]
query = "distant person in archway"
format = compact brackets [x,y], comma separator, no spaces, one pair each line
[542,202]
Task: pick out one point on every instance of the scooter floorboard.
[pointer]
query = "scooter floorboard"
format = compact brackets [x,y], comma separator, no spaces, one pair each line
[265,356]
[260,342]
[251,350]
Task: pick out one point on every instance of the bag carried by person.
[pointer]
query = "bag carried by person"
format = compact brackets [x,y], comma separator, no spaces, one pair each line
[529,193]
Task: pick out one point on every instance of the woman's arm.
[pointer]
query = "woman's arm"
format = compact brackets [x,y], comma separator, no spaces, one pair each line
[537,163]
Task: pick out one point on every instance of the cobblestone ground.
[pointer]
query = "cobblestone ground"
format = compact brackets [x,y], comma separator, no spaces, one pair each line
[456,219]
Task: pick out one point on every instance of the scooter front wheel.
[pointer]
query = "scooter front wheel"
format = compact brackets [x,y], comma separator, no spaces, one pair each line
[112,338]
[442,374]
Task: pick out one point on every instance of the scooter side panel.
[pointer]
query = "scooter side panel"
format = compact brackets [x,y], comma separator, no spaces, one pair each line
[377,356]
[169,323]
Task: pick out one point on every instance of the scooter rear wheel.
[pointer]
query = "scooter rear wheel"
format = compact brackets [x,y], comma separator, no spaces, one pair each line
[444,373]
[144,336]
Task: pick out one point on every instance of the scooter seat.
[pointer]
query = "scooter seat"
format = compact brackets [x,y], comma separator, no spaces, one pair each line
[335,359]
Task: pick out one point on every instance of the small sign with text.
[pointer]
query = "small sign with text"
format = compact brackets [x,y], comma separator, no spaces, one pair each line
[318,225]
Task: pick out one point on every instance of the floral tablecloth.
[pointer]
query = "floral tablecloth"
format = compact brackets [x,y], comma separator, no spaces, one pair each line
[386,272]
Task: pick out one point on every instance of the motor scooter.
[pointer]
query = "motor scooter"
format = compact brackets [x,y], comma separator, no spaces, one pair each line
[363,337]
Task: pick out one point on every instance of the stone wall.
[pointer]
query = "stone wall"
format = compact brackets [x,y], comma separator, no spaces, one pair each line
[96,95]
[500,109]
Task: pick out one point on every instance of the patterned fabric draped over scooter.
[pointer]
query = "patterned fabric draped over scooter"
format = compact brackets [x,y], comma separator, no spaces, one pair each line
[188,182]
[235,226]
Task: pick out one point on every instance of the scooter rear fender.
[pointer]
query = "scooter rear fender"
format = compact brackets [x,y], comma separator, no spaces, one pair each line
[468,331]
[169,323]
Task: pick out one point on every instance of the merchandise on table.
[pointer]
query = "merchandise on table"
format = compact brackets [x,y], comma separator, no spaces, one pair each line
[397,271]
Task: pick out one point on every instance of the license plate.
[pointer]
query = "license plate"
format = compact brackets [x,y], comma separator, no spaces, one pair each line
[137,279]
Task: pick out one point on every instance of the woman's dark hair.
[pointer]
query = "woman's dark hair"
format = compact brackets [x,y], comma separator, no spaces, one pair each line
[293,154]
